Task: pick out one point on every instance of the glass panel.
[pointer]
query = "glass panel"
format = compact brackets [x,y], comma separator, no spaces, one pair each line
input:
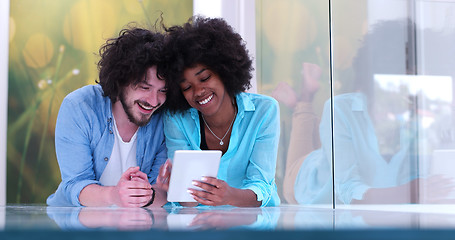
[393,105]
[293,59]
[435,51]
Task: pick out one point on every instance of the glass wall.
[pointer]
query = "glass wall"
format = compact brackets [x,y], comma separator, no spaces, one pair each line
[370,79]
[393,115]
[293,66]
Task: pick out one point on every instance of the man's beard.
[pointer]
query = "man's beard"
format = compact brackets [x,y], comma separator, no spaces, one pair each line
[129,112]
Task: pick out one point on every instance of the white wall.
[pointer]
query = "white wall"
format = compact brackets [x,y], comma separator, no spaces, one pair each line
[241,15]
[4,39]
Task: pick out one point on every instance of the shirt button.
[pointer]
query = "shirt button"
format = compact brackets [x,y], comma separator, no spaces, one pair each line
[106,158]
[110,131]
[109,120]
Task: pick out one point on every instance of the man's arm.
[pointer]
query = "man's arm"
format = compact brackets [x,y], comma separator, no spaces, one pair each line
[132,190]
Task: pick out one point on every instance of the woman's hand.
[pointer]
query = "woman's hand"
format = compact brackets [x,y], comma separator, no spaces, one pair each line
[164,175]
[215,192]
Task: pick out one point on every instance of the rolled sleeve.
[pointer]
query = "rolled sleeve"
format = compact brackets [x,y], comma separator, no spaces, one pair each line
[76,189]
[262,167]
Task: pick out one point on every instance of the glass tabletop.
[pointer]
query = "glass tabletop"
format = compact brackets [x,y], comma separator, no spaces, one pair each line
[282,218]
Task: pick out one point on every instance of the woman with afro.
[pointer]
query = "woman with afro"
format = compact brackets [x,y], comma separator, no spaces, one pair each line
[208,70]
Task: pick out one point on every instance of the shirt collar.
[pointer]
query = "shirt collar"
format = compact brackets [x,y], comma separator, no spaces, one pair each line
[244,102]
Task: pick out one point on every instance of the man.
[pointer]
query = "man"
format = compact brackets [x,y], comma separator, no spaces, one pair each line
[109,137]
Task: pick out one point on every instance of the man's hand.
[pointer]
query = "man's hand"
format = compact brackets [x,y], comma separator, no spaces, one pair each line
[133,189]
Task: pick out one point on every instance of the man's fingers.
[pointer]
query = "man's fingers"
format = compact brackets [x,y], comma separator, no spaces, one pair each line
[139,174]
[136,185]
[127,174]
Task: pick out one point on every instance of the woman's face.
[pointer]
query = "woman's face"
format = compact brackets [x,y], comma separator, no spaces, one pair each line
[204,90]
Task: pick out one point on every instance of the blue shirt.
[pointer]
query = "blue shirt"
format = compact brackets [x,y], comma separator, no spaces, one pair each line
[250,161]
[359,164]
[84,139]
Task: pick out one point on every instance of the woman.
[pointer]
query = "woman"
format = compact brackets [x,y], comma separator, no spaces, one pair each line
[207,71]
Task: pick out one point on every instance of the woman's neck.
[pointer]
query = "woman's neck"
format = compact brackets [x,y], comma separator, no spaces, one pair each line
[224,116]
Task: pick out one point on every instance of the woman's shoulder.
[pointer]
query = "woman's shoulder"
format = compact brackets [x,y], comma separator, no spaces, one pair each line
[257,100]
[180,116]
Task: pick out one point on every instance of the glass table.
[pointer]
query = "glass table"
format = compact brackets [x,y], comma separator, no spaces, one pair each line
[286,221]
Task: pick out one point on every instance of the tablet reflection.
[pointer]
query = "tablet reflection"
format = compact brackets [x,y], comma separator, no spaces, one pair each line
[223,218]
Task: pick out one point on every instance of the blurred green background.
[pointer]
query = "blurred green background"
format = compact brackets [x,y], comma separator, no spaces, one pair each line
[53,51]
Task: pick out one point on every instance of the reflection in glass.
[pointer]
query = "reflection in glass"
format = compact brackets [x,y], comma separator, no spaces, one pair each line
[80,218]
[194,219]
[387,122]
[223,218]
[52,220]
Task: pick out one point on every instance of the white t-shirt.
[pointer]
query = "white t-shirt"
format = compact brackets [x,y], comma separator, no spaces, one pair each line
[123,157]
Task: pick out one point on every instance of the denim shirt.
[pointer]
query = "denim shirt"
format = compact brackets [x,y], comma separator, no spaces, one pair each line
[250,161]
[84,139]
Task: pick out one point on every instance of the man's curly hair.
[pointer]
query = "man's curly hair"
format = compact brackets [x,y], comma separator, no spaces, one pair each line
[212,43]
[125,59]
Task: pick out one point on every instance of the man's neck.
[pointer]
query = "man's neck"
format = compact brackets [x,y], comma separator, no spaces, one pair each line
[125,127]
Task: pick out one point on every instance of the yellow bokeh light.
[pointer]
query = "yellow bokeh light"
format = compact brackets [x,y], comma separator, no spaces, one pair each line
[288,36]
[89,24]
[12,28]
[38,51]
[134,6]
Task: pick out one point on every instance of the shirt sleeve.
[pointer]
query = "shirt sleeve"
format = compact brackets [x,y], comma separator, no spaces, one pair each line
[348,182]
[260,173]
[160,159]
[73,151]
[175,136]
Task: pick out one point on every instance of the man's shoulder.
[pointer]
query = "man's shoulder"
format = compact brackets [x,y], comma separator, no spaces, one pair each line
[87,98]
[86,92]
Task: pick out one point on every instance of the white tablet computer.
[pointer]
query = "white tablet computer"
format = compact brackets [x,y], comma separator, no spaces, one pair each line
[189,165]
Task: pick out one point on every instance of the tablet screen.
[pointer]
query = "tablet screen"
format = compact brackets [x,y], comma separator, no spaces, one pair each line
[189,165]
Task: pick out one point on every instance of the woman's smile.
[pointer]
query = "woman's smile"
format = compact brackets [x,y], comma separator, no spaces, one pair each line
[205,101]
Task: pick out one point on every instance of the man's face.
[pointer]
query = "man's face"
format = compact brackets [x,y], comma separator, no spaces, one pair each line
[141,100]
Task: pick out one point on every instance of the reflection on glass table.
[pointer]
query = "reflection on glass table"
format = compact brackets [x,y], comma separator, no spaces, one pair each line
[219,218]
[284,217]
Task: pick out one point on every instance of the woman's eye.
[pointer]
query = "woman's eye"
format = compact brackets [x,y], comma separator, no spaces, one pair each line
[186,88]
[206,78]
[164,90]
